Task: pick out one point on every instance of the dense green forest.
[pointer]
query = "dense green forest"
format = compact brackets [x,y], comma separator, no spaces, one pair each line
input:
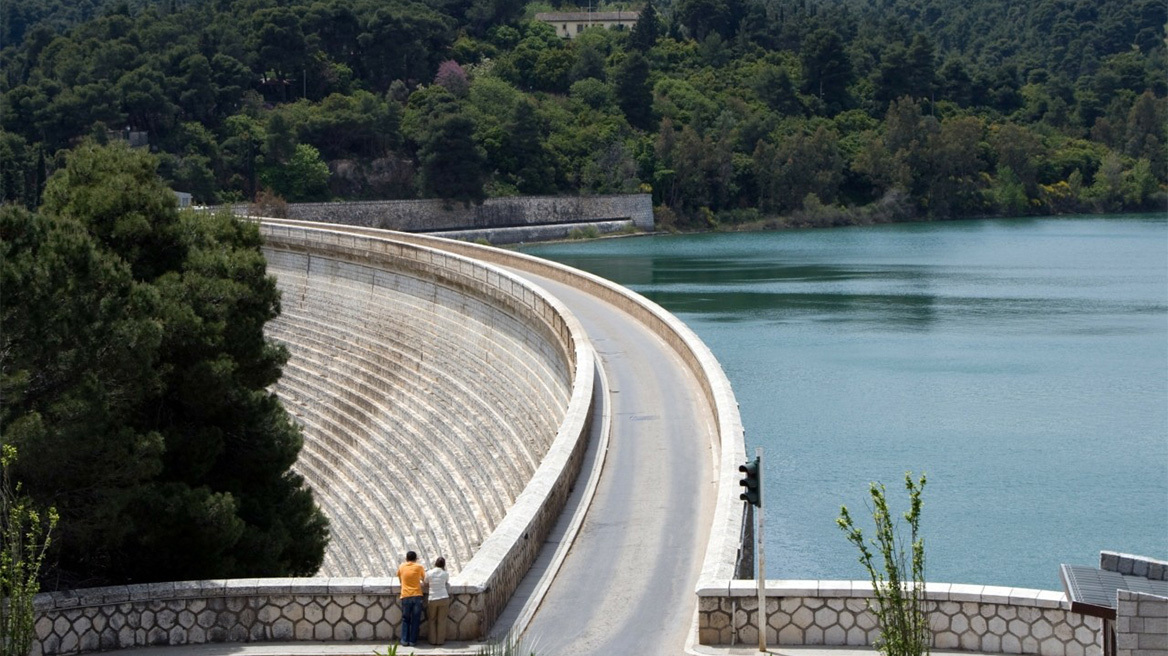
[730,111]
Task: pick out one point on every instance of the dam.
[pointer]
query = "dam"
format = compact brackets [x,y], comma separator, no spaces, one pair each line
[417,357]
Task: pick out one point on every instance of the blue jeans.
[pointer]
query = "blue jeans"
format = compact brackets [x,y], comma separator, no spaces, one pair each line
[411,619]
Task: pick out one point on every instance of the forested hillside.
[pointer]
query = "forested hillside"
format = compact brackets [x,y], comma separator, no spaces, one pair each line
[728,110]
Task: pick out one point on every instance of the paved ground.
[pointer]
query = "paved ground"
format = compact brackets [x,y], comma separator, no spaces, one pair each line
[371,649]
[627,583]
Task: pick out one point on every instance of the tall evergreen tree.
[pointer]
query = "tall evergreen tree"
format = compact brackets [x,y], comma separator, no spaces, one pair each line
[647,29]
[136,379]
[827,71]
[633,92]
[453,165]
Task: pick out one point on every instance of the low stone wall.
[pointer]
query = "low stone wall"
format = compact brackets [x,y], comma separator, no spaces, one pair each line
[1141,624]
[243,610]
[1149,568]
[432,215]
[560,231]
[967,617]
[342,609]
[1141,620]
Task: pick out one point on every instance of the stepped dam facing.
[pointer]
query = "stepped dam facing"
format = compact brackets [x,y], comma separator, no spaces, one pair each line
[446,403]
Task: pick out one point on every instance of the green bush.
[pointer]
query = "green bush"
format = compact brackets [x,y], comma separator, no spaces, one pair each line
[26,538]
[899,606]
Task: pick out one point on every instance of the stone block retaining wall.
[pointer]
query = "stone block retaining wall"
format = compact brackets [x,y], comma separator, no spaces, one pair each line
[432,215]
[355,608]
[1141,624]
[1150,568]
[1141,620]
[967,617]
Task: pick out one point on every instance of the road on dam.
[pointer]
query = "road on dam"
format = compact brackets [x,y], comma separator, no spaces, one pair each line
[627,584]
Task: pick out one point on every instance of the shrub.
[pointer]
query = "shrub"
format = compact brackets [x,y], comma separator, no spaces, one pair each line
[26,538]
[899,607]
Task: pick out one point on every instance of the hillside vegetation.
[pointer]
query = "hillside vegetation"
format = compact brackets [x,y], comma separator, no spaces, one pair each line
[730,111]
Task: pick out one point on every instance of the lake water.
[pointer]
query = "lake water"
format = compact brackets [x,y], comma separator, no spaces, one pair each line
[1022,364]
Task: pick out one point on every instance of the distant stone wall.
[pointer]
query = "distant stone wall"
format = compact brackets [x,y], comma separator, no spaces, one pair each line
[437,215]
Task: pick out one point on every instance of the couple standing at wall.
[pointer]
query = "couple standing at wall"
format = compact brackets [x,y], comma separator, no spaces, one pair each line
[416,582]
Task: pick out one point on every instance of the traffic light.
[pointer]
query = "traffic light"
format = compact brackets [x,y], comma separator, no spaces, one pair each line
[752,493]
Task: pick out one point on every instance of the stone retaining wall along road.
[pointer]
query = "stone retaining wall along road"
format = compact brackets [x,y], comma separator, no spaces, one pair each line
[495,213]
[357,390]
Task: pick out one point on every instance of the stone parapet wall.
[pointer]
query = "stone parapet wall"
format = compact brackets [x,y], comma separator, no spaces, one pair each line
[356,608]
[433,215]
[1149,568]
[242,610]
[1141,624]
[835,613]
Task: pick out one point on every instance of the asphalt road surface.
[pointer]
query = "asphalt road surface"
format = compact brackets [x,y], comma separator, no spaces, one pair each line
[627,584]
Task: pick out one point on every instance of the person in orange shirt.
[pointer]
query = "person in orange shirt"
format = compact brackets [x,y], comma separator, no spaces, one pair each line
[411,575]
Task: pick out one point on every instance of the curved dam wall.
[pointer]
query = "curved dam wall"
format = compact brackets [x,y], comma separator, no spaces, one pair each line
[989,619]
[812,613]
[445,404]
[426,403]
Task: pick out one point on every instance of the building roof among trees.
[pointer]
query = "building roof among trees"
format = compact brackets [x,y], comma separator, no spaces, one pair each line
[580,16]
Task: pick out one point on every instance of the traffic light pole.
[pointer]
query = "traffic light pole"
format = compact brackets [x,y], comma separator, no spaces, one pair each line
[762,615]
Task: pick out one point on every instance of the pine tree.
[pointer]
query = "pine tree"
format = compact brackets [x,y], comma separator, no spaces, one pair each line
[453,165]
[647,29]
[136,381]
[633,92]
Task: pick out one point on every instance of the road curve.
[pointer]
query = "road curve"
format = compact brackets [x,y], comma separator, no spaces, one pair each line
[627,584]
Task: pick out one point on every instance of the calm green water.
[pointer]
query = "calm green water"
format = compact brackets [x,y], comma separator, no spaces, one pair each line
[1023,364]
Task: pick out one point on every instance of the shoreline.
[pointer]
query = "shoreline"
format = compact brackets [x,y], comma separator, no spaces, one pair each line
[778,224]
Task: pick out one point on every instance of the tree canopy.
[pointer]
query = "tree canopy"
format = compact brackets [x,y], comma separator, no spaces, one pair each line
[135,378]
[237,97]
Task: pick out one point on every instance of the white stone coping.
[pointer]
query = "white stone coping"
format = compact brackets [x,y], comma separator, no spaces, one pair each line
[477,576]
[827,589]
[221,588]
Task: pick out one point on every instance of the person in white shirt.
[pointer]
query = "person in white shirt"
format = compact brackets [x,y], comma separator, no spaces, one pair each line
[438,604]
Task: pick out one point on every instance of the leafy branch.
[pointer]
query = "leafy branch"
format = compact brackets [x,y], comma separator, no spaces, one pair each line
[26,539]
[899,607]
